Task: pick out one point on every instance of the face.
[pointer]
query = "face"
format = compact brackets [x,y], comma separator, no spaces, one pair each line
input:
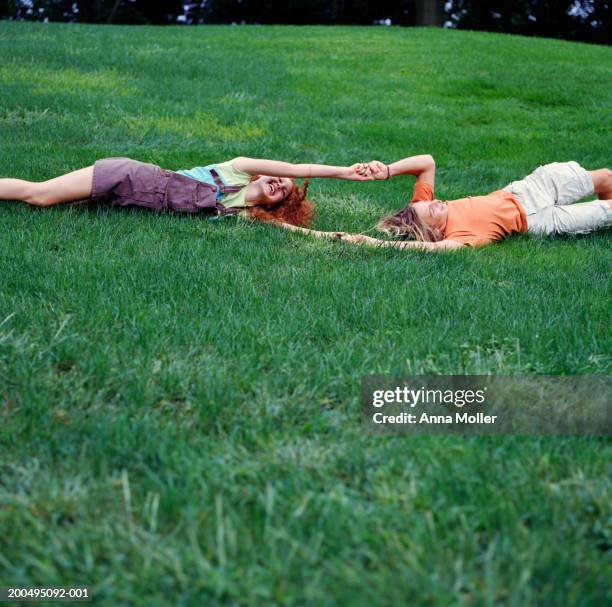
[274,189]
[432,213]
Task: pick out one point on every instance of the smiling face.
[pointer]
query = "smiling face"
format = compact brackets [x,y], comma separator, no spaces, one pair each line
[423,220]
[272,190]
[432,213]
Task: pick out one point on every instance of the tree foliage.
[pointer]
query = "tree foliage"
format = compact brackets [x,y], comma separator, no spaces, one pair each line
[589,20]
[399,12]
[95,11]
[364,12]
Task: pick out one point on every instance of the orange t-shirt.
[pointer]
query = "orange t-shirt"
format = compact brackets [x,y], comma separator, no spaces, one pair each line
[478,220]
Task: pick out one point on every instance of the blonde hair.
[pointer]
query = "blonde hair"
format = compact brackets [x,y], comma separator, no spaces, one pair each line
[406,224]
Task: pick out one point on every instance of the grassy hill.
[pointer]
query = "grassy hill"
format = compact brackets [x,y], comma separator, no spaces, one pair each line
[179,398]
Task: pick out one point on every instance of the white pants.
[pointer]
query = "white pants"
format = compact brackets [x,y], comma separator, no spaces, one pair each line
[546,194]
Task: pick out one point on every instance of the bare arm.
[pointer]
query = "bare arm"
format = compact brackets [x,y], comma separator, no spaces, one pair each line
[434,247]
[315,233]
[276,168]
[419,245]
[423,166]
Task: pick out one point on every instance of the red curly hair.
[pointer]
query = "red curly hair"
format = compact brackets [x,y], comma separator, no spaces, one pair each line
[295,209]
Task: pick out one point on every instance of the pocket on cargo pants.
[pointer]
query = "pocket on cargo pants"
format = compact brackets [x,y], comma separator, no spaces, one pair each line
[187,195]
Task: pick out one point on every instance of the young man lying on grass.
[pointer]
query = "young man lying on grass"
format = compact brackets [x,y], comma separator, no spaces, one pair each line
[538,204]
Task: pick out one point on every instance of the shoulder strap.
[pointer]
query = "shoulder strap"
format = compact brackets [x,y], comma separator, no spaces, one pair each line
[224,189]
[221,210]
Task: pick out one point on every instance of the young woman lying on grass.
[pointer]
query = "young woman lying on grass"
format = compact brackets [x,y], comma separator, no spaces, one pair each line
[538,204]
[261,189]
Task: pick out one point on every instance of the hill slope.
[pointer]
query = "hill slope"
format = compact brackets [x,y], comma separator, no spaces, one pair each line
[180,398]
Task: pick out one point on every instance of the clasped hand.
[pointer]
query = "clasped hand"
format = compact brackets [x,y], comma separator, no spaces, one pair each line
[368,171]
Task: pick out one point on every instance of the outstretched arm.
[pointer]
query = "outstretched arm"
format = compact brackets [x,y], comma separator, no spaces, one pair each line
[276,168]
[315,233]
[443,245]
[423,166]
[432,247]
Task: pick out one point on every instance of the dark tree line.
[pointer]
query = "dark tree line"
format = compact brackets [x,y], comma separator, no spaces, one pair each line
[588,20]
[400,12]
[160,12]
[362,12]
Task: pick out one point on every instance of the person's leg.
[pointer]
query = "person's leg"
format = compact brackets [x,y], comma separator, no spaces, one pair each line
[582,218]
[602,182]
[558,183]
[568,180]
[66,188]
[534,191]
[572,219]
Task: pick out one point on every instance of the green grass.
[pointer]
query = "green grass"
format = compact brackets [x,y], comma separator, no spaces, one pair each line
[180,398]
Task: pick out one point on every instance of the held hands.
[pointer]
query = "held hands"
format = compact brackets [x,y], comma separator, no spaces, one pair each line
[359,172]
[360,239]
[368,171]
[379,170]
[330,235]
